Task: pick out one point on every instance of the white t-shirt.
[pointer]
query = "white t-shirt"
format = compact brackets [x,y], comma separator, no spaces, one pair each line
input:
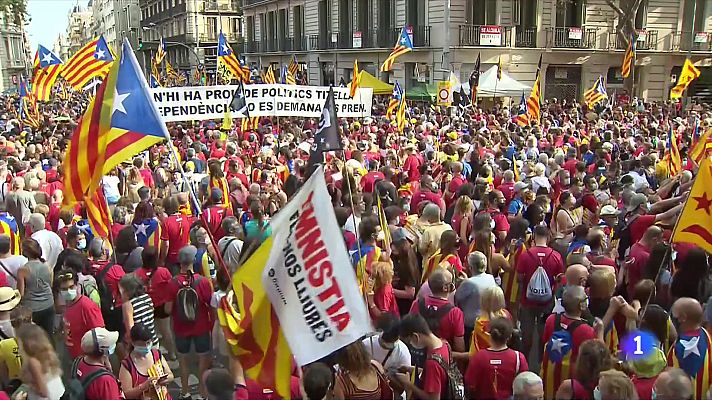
[51,245]
[11,264]
[400,357]
[110,183]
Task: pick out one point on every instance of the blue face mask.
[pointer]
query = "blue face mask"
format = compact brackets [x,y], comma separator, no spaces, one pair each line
[142,350]
[653,395]
[111,349]
[596,393]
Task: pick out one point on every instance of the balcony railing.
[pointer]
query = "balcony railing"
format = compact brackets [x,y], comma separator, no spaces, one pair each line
[420,35]
[326,41]
[215,6]
[213,36]
[647,40]
[525,37]
[571,37]
[692,41]
[485,35]
[377,38]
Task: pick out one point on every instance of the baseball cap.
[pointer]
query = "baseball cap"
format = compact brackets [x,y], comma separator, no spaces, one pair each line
[99,338]
[520,185]
[186,255]
[398,235]
[636,201]
[609,210]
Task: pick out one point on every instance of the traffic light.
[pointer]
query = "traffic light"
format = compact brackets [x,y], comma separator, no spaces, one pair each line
[140,44]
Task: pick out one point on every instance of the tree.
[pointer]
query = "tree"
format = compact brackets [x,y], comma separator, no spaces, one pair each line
[626,11]
[14,10]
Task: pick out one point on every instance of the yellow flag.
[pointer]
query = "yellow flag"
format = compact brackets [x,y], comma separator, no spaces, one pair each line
[226,122]
[695,223]
[688,74]
[261,346]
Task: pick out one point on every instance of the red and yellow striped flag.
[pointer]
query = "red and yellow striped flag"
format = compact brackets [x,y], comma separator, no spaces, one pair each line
[98,214]
[534,100]
[260,344]
[628,58]
[355,81]
[701,148]
[91,61]
[688,74]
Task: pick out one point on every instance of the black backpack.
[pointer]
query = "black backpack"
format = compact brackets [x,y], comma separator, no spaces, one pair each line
[106,296]
[455,383]
[187,299]
[77,386]
[432,316]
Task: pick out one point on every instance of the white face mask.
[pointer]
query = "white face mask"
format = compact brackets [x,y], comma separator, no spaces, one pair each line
[7,329]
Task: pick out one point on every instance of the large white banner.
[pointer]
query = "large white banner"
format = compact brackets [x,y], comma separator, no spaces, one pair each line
[211,102]
[309,278]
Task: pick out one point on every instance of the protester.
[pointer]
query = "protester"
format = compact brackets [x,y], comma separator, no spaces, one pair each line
[41,370]
[144,372]
[527,386]
[80,315]
[35,286]
[673,383]
[359,376]
[97,345]
[137,306]
[10,263]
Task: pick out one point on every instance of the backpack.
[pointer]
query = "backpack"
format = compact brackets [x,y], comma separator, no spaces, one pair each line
[77,386]
[187,299]
[625,241]
[557,354]
[106,296]
[91,289]
[539,286]
[455,383]
[433,315]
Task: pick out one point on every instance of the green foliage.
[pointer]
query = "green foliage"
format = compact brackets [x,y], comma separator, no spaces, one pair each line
[15,10]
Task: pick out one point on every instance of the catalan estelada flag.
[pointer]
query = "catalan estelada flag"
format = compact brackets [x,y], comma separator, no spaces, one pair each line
[596,94]
[688,74]
[47,67]
[702,146]
[8,226]
[269,76]
[355,81]
[260,344]
[395,101]
[693,354]
[628,58]
[695,222]
[98,214]
[148,233]
[91,61]
[534,100]
[221,184]
[403,45]
[228,58]
[121,121]
[437,260]
[522,118]
[287,77]
[293,65]
[400,114]
[674,161]
[510,281]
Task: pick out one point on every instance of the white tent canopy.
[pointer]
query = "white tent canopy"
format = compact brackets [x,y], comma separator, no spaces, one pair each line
[491,87]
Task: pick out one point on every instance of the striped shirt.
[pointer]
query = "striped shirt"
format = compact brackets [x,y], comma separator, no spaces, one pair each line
[143,314]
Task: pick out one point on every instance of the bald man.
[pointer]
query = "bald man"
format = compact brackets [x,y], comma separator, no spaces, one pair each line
[576,275]
[639,255]
[673,383]
[690,349]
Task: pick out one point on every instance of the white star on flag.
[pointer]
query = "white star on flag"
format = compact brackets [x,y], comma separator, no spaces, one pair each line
[100,54]
[119,102]
[690,346]
[557,345]
[47,58]
[141,229]
[226,49]
[403,41]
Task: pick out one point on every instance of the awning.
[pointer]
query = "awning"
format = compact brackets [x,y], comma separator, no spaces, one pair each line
[425,92]
[378,86]
[491,87]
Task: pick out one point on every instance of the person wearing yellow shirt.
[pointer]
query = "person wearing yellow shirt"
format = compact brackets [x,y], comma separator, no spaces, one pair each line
[12,317]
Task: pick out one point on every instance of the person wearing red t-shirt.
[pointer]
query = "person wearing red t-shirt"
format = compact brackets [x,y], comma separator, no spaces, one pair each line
[533,313]
[490,372]
[455,183]
[97,345]
[639,217]
[493,204]
[507,186]
[433,382]
[191,334]
[146,173]
[638,257]
[452,323]
[80,315]
[105,271]
[426,193]
[214,214]
[175,233]
[155,279]
[368,182]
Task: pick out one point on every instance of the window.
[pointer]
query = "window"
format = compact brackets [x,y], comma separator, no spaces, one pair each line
[345,7]
[298,18]
[570,13]
[642,15]
[482,12]
[415,12]
[250,26]
[694,9]
[526,12]
[211,26]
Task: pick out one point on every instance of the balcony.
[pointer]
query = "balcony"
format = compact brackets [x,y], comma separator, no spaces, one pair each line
[213,36]
[485,35]
[420,35]
[367,39]
[525,37]
[216,7]
[571,37]
[691,41]
[647,40]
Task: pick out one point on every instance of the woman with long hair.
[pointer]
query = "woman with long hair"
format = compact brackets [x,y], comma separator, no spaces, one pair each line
[593,358]
[34,282]
[462,224]
[496,262]
[383,300]
[41,370]
[359,377]
[658,270]
[406,270]
[492,306]
[515,244]
[137,305]
[134,182]
[690,276]
[217,180]
[564,221]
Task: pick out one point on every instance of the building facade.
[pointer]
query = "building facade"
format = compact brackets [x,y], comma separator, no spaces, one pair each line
[14,54]
[79,28]
[576,37]
[116,19]
[190,29]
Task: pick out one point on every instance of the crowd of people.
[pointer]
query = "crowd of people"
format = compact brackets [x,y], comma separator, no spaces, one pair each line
[499,261]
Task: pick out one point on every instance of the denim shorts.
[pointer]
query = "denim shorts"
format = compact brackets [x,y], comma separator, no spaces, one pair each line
[202,344]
